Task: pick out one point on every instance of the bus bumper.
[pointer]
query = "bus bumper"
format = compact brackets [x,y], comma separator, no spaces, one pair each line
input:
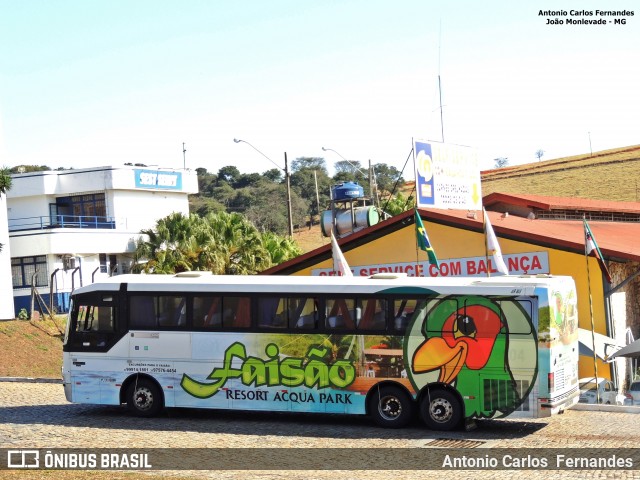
[548,407]
[66,383]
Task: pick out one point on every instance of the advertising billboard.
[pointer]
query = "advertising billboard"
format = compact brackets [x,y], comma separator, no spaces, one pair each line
[447,176]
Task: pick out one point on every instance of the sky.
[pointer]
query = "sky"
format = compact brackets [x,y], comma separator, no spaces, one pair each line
[87,83]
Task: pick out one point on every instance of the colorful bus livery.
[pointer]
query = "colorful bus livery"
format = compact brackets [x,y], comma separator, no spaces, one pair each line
[389,346]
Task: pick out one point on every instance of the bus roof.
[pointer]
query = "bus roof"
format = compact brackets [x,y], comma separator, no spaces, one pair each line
[202,282]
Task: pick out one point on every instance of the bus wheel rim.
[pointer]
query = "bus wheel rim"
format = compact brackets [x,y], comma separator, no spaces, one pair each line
[143,398]
[440,410]
[390,407]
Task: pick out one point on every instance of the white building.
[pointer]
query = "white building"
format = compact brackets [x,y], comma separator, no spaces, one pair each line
[6,305]
[69,228]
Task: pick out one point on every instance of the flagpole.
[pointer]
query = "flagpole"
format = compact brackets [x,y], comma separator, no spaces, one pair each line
[415,212]
[415,209]
[593,328]
[486,241]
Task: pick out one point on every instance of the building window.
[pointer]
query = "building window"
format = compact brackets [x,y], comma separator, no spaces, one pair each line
[108,264]
[79,208]
[24,268]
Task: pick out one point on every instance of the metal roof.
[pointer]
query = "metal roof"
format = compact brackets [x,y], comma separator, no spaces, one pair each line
[618,241]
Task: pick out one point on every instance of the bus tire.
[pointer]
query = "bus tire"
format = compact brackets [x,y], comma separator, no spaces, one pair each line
[390,407]
[440,410]
[144,398]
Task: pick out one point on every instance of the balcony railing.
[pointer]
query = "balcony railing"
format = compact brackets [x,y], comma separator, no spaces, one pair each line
[61,221]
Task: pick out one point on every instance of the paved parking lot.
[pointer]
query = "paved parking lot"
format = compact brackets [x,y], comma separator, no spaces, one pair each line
[36,415]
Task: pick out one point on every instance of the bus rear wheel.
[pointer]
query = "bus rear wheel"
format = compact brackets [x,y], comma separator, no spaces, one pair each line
[144,398]
[440,410]
[390,407]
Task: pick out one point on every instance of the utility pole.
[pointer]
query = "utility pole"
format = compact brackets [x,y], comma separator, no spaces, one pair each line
[287,178]
[184,157]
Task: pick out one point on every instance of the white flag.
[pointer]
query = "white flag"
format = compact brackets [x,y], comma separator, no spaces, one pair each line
[493,247]
[340,264]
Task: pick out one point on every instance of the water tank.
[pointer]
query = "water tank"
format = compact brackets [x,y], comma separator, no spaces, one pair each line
[346,191]
[364,217]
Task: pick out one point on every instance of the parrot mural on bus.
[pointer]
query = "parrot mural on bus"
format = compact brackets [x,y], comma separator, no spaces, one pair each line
[475,344]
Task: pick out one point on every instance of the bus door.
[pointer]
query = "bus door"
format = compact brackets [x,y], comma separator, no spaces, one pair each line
[94,328]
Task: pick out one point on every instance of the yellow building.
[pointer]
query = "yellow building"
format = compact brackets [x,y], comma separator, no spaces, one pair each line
[532,242]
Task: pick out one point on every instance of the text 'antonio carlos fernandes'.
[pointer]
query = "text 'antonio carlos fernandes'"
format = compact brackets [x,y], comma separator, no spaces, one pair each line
[558,461]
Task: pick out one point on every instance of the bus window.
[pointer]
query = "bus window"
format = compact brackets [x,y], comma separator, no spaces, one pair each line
[518,322]
[272,312]
[94,323]
[342,313]
[402,311]
[374,315]
[171,311]
[236,312]
[94,318]
[436,306]
[303,313]
[142,312]
[148,311]
[207,312]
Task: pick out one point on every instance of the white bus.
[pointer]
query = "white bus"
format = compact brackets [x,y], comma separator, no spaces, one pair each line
[451,350]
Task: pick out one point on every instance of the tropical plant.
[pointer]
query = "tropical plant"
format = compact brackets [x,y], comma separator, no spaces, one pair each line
[223,243]
[397,204]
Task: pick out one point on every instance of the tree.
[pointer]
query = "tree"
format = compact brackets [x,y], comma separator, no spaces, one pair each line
[387,177]
[273,175]
[229,174]
[398,203]
[310,163]
[303,183]
[248,180]
[30,168]
[307,173]
[351,171]
[203,205]
[280,248]
[223,243]
[500,162]
[539,154]
[5,180]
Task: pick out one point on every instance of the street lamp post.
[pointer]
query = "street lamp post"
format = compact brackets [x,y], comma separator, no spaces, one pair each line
[286,176]
[373,187]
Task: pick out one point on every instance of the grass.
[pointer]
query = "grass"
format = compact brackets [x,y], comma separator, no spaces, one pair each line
[310,238]
[606,175]
[31,348]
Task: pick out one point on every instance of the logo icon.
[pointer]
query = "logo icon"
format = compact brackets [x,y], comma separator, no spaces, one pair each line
[23,459]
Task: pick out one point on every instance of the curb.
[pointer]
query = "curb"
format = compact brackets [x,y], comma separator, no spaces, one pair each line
[30,380]
[592,407]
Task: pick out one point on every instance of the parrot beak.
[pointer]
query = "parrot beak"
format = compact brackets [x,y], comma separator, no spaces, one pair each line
[435,354]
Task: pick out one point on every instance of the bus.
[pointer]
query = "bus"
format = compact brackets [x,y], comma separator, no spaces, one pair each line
[449,350]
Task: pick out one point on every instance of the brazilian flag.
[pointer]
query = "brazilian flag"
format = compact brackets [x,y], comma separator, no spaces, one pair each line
[423,241]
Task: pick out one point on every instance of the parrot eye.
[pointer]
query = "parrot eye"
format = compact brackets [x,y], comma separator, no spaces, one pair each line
[465,325]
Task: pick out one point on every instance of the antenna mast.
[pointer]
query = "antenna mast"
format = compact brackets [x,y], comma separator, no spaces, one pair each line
[184,157]
[439,82]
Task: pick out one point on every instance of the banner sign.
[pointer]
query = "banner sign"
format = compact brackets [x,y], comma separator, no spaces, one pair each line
[447,176]
[531,263]
[158,179]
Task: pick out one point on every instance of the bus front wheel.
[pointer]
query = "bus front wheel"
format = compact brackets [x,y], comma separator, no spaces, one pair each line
[390,407]
[144,398]
[440,410]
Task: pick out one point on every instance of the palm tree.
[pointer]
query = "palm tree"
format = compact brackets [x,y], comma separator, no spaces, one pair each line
[280,248]
[223,243]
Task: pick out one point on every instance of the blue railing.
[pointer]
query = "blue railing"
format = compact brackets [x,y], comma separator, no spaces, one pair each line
[61,221]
